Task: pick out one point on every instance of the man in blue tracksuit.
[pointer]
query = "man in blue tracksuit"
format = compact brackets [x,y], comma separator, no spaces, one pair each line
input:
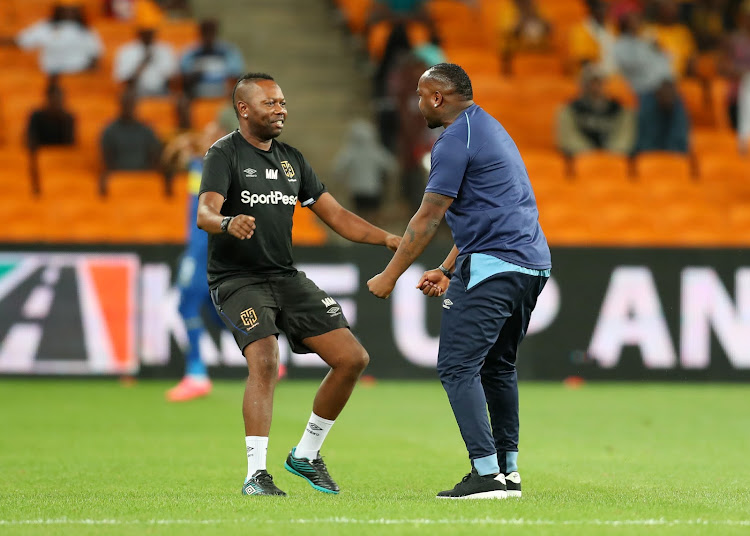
[496,270]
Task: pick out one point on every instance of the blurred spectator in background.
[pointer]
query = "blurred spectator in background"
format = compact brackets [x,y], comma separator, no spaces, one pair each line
[207,66]
[412,139]
[363,164]
[127,144]
[226,117]
[146,65]
[65,42]
[594,121]
[643,64]
[395,28]
[133,9]
[708,20]
[663,123]
[49,125]
[673,37]
[734,61]
[523,28]
[593,39]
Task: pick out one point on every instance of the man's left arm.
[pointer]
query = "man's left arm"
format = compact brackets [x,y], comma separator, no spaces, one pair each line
[351,226]
[419,233]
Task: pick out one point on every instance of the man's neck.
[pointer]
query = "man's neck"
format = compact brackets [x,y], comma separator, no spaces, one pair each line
[263,145]
[456,111]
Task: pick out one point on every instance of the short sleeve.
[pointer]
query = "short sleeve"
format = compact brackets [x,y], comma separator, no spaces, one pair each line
[449,160]
[310,188]
[217,173]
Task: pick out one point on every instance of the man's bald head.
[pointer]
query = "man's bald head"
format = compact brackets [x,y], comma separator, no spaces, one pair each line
[450,78]
[249,78]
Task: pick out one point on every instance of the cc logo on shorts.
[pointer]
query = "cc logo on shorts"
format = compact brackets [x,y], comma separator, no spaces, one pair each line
[249,318]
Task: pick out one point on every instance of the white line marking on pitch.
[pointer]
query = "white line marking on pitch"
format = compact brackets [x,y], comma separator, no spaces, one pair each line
[349,521]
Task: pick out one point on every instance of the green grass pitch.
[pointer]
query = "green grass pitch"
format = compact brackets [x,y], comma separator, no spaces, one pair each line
[95,457]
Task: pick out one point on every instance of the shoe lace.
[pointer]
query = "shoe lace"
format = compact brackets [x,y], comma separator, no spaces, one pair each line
[467,477]
[264,479]
[320,466]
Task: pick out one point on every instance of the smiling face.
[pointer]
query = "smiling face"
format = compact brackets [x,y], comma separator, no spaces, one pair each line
[262,106]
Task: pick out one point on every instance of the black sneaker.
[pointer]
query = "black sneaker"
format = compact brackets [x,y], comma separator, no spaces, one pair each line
[513,483]
[314,471]
[261,483]
[473,486]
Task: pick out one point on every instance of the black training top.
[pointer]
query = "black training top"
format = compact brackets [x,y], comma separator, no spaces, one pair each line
[262,184]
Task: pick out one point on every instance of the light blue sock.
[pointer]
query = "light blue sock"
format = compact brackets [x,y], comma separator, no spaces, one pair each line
[487,465]
[511,462]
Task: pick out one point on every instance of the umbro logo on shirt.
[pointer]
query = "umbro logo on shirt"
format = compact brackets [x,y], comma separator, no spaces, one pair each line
[250,173]
[447,304]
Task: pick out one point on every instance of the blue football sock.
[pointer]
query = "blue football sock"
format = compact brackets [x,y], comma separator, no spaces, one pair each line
[511,462]
[487,465]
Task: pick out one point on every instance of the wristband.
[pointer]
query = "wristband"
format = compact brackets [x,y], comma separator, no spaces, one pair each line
[447,273]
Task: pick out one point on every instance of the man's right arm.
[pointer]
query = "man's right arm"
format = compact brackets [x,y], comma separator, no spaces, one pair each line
[210,217]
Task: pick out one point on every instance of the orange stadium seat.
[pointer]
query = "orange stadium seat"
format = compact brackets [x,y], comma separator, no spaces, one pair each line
[475,61]
[205,111]
[602,166]
[706,141]
[14,178]
[133,186]
[531,64]
[307,229]
[356,13]
[457,23]
[656,166]
[545,166]
[727,174]
[178,33]
[698,102]
[159,113]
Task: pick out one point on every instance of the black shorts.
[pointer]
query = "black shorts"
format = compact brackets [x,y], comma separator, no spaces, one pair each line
[253,308]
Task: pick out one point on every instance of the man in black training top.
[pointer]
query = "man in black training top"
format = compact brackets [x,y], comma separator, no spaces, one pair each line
[249,188]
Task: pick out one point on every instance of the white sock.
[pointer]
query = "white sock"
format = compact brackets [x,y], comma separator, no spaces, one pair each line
[312,438]
[256,454]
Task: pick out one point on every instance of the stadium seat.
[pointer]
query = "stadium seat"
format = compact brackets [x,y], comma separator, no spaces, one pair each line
[355,13]
[707,141]
[545,166]
[159,113]
[601,166]
[477,62]
[132,186]
[654,166]
[179,33]
[205,111]
[533,64]
[726,173]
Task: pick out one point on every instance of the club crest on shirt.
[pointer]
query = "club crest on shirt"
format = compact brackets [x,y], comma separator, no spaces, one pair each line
[249,318]
[288,170]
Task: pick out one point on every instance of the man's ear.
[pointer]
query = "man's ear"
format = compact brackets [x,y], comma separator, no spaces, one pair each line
[437,99]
